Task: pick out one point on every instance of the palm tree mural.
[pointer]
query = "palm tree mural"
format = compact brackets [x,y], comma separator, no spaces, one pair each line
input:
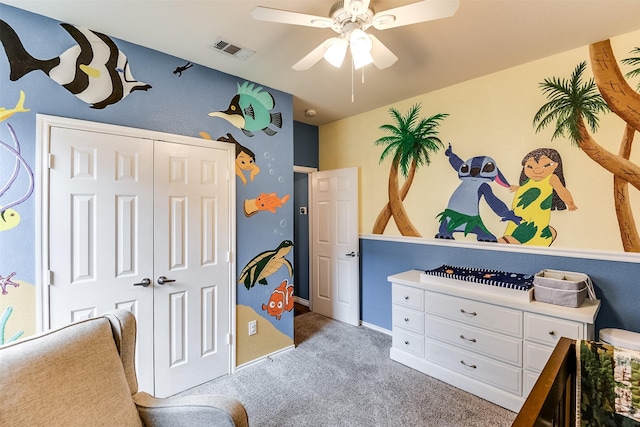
[410,141]
[574,106]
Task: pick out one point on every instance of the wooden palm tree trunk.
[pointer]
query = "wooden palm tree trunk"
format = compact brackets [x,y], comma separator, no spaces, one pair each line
[385,214]
[626,221]
[625,103]
[400,216]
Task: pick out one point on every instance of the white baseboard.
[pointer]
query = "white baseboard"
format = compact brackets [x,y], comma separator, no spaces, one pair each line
[264,358]
[301,301]
[375,328]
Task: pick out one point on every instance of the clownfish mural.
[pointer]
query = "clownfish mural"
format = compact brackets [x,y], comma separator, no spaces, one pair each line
[250,110]
[94,70]
[281,299]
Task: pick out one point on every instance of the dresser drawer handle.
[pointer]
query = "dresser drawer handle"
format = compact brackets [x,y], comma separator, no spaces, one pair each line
[470,313]
[406,342]
[406,297]
[468,366]
[552,333]
[468,339]
[406,319]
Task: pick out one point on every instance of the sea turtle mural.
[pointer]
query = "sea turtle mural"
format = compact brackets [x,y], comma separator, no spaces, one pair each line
[265,264]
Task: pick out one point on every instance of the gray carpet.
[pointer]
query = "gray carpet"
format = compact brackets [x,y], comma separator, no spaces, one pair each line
[341,375]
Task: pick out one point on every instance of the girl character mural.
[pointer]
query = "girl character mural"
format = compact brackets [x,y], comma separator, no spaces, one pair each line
[542,189]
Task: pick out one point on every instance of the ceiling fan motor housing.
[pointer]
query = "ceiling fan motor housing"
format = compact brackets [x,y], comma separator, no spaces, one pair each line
[341,17]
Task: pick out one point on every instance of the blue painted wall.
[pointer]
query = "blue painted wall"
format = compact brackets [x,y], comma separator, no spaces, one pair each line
[177,104]
[616,283]
[305,148]
[301,236]
[305,153]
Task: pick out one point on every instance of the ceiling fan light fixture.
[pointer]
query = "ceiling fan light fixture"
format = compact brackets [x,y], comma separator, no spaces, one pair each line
[360,48]
[336,52]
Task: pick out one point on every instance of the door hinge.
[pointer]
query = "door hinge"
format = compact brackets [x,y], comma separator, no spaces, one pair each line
[228,256]
[51,160]
[49,278]
[229,339]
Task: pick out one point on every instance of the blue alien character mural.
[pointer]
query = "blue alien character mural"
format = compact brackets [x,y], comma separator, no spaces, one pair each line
[462,213]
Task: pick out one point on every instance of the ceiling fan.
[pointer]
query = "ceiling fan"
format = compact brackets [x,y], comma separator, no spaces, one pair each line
[350,19]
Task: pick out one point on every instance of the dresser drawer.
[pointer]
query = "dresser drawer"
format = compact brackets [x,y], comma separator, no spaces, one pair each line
[488,371]
[479,314]
[530,379]
[548,330]
[408,296]
[407,318]
[409,342]
[536,356]
[501,347]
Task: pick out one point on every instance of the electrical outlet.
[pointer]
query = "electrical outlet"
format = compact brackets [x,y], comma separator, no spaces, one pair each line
[253,327]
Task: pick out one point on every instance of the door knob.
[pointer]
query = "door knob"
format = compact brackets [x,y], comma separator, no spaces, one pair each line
[162,280]
[352,254]
[145,282]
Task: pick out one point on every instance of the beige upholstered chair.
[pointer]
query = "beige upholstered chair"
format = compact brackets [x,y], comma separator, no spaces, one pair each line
[84,375]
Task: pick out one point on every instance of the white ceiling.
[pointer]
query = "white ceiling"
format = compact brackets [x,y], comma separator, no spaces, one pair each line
[484,36]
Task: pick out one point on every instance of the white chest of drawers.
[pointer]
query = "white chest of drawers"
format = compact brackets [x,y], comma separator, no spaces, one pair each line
[488,344]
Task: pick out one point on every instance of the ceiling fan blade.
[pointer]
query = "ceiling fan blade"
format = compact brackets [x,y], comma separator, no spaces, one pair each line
[314,56]
[382,56]
[286,17]
[425,10]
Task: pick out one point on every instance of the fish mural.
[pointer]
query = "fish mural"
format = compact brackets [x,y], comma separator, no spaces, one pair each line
[265,264]
[94,70]
[250,110]
[463,212]
[281,299]
[245,159]
[6,281]
[19,108]
[9,217]
[264,202]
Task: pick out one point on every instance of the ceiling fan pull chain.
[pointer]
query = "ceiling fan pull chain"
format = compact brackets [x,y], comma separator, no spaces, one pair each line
[352,92]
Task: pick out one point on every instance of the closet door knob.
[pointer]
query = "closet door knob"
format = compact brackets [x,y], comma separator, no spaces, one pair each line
[162,280]
[145,282]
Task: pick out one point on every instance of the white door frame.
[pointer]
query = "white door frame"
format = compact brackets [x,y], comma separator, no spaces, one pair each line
[44,123]
[308,171]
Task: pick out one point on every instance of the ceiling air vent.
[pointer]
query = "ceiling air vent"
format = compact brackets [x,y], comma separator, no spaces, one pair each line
[226,47]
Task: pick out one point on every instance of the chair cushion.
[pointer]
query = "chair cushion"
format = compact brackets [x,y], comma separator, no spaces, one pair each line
[72,376]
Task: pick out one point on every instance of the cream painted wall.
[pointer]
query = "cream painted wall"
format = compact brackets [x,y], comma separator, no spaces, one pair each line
[490,115]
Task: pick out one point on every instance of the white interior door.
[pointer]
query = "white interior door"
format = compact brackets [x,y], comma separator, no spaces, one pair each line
[335,246]
[101,231]
[191,249]
[123,211]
